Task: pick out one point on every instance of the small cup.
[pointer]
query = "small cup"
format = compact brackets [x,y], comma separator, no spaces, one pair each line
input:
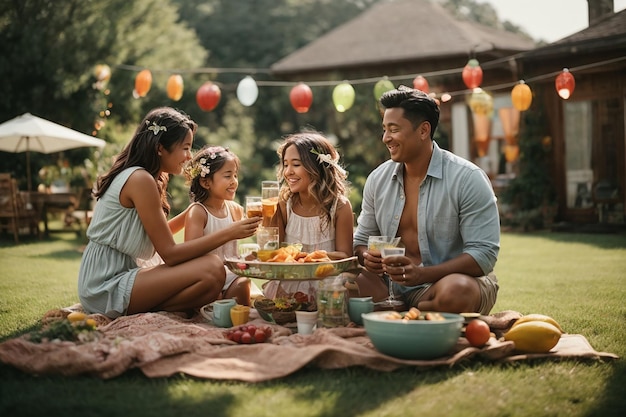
[306,321]
[246,249]
[221,312]
[239,314]
[267,238]
[358,306]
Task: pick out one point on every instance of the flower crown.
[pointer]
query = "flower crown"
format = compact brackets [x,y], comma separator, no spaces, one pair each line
[203,168]
[156,128]
[326,158]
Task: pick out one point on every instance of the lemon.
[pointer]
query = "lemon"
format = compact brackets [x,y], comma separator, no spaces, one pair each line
[534,336]
[76,316]
[538,317]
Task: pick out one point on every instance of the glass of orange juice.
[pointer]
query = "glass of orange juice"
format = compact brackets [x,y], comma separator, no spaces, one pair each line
[253,207]
[269,195]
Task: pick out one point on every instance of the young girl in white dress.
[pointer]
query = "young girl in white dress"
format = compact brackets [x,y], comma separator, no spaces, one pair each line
[213,180]
[313,207]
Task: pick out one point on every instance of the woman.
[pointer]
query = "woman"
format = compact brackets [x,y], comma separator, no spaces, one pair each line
[130,223]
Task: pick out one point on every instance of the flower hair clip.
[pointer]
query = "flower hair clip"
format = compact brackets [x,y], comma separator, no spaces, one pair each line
[156,128]
[324,157]
[204,165]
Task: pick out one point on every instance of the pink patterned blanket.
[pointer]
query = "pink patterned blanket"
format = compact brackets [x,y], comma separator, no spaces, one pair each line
[164,344]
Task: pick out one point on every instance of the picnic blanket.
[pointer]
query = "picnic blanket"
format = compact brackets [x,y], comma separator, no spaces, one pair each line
[165,344]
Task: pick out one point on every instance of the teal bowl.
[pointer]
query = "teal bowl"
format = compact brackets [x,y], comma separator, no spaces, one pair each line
[413,339]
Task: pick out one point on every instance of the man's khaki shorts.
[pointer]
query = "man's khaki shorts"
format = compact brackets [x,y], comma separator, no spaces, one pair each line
[488,285]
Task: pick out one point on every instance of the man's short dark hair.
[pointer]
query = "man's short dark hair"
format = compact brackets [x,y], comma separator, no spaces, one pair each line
[418,106]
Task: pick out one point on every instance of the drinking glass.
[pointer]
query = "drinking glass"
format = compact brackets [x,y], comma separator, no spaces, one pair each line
[269,195]
[253,207]
[382,243]
[267,238]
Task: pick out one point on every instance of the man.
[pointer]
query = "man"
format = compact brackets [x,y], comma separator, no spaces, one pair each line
[441,206]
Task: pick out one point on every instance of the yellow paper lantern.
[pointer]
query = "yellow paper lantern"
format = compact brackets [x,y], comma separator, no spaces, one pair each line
[143,82]
[343,97]
[175,87]
[521,96]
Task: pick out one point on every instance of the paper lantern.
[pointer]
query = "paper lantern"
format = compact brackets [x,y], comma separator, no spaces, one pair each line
[381,87]
[472,74]
[301,97]
[247,91]
[175,87]
[343,96]
[511,152]
[208,96]
[143,82]
[481,102]
[509,116]
[521,96]
[565,84]
[420,83]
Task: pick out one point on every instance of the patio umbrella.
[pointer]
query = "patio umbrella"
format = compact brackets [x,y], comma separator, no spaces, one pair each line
[27,133]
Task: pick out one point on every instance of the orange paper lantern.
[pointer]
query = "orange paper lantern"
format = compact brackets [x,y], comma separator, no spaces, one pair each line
[143,82]
[208,96]
[301,97]
[565,84]
[175,87]
[472,74]
[521,96]
[420,83]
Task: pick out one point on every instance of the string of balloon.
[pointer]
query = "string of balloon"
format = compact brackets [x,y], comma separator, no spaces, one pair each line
[209,94]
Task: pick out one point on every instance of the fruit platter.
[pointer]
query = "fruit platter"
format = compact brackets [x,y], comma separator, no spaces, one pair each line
[290,264]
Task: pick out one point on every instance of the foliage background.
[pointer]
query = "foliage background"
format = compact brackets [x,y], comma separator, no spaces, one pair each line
[49,49]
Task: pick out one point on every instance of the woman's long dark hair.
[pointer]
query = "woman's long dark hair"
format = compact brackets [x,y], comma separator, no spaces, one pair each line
[142,150]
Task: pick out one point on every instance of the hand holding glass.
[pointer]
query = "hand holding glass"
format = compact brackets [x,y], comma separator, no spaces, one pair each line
[381,243]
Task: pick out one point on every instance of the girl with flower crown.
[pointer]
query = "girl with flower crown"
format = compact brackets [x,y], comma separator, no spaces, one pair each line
[130,224]
[212,176]
[313,207]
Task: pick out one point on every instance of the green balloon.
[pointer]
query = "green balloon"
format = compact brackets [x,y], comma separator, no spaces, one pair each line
[381,87]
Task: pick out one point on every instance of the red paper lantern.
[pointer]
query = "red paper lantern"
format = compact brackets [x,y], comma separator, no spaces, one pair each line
[143,82]
[472,74]
[565,84]
[301,97]
[175,87]
[208,96]
[420,83]
[521,96]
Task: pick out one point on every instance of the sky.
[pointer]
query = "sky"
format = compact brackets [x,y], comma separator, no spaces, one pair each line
[539,18]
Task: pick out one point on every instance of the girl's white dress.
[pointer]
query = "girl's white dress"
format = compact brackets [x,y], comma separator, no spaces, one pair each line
[307,231]
[229,249]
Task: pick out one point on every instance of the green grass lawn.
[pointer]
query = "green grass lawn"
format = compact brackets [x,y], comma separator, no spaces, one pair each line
[579,279]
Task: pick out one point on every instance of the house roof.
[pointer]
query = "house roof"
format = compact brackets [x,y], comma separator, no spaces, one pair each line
[605,35]
[395,31]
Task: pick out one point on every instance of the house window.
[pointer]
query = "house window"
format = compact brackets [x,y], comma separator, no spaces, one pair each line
[578,145]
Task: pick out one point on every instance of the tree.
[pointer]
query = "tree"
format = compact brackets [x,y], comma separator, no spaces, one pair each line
[50,49]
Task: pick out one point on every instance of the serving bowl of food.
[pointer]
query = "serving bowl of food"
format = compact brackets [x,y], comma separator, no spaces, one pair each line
[289,263]
[407,335]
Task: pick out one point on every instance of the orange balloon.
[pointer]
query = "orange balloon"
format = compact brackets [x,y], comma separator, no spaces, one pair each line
[175,87]
[521,96]
[143,82]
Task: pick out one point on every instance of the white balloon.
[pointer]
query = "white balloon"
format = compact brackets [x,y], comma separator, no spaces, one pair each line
[247,91]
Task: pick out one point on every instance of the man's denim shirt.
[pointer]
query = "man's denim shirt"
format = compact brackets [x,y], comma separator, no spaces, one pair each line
[457,210]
